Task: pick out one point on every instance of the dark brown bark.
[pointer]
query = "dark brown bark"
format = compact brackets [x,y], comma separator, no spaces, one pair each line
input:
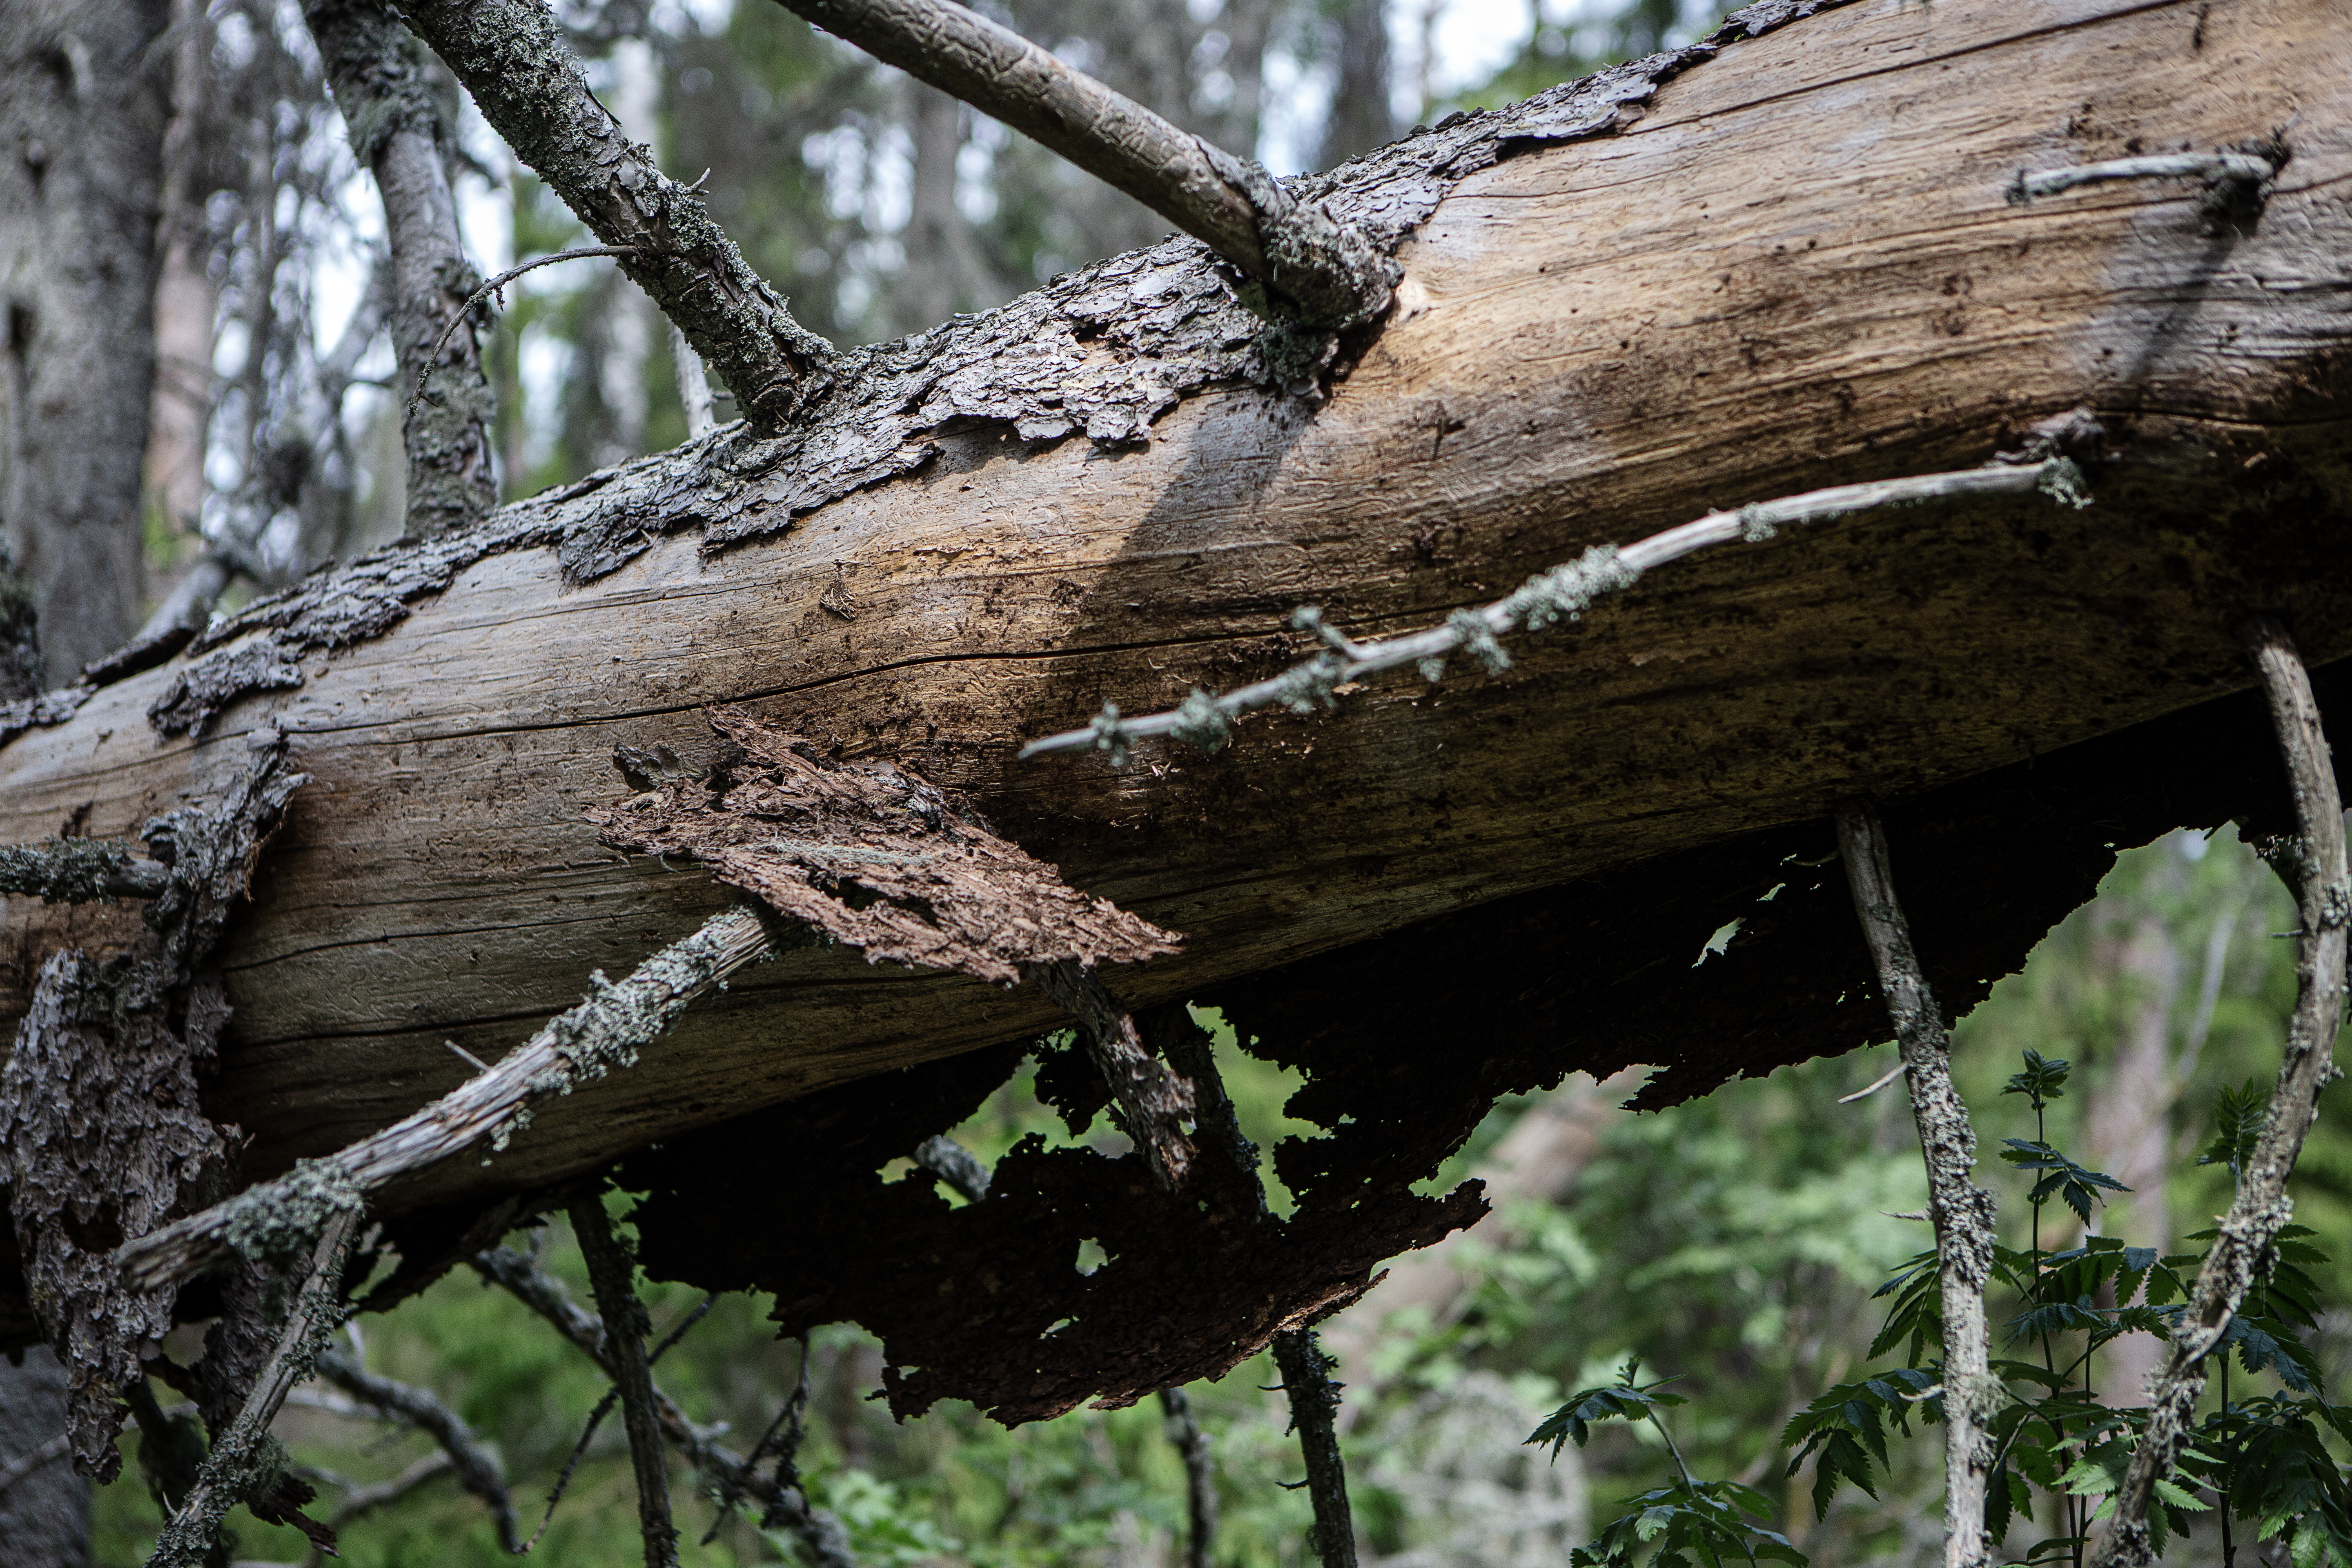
[377,72]
[84,97]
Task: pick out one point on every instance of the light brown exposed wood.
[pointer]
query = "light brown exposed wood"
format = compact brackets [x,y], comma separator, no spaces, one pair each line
[1797,268]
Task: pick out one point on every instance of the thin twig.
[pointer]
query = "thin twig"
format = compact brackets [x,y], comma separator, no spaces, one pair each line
[496,286]
[32,1459]
[604,1032]
[1200,1477]
[1314,1404]
[1561,594]
[611,1272]
[820,1533]
[360,1500]
[1881,1081]
[2214,167]
[478,1468]
[2313,865]
[237,1453]
[596,1419]
[1962,1211]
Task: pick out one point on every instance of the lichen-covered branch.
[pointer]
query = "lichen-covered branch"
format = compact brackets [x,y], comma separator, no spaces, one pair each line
[2317,871]
[275,1219]
[513,57]
[478,1468]
[246,1458]
[80,871]
[1562,594]
[819,1533]
[956,1165]
[2213,168]
[612,1274]
[1330,272]
[1314,1406]
[1962,1211]
[376,70]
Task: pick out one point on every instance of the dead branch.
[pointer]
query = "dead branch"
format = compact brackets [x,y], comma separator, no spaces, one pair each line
[246,1449]
[612,1273]
[80,871]
[513,57]
[604,1032]
[1154,1102]
[1331,272]
[2314,866]
[360,1500]
[376,71]
[820,1534]
[496,285]
[956,1165]
[1564,593]
[1199,1478]
[1314,1406]
[2242,168]
[478,1468]
[1962,1211]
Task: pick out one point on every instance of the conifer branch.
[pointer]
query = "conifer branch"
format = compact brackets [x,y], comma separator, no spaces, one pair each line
[513,57]
[1961,1211]
[1562,594]
[604,1032]
[1330,272]
[2313,868]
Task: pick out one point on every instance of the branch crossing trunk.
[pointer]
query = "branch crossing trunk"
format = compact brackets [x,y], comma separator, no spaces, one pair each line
[1962,1211]
[2313,864]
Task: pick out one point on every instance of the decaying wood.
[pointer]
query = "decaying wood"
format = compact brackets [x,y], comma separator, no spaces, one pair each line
[1335,275]
[1961,1211]
[2315,869]
[1786,261]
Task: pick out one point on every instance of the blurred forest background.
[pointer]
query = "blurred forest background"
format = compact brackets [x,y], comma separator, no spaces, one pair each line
[1734,1241]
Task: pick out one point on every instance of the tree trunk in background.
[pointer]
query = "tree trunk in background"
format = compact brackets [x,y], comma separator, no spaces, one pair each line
[2127,1117]
[1360,119]
[185,300]
[20,647]
[83,102]
[44,1515]
[940,262]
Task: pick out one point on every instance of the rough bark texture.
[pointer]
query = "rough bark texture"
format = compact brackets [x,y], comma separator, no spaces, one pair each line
[1314,1411]
[377,72]
[513,57]
[84,97]
[613,1274]
[1961,1211]
[1604,328]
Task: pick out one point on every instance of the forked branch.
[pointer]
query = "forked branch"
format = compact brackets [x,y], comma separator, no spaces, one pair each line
[513,57]
[2322,884]
[1328,271]
[1962,1211]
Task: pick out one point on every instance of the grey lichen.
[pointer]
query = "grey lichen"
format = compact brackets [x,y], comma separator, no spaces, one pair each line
[1201,724]
[282,1219]
[1565,592]
[79,871]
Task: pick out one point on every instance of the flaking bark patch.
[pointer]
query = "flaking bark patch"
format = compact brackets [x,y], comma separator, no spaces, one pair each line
[99,1120]
[874,858]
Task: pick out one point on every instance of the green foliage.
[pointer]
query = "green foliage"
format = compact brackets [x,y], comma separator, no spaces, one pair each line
[1684,1519]
[1624,1400]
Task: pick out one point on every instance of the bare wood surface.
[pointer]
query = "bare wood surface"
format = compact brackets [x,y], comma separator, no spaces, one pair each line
[2314,867]
[1961,1211]
[1798,268]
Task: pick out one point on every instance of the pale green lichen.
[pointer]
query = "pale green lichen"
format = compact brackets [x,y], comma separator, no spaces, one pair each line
[1565,592]
[1201,724]
[279,1219]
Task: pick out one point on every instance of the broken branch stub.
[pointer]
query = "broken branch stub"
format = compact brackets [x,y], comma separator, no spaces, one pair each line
[1330,271]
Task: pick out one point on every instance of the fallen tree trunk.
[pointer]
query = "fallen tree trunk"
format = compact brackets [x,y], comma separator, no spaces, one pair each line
[1722,280]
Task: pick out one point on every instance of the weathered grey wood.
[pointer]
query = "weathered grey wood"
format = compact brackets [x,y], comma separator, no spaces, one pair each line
[1797,268]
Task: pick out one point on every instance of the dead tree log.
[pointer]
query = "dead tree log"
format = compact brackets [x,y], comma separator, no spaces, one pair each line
[1761,266]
